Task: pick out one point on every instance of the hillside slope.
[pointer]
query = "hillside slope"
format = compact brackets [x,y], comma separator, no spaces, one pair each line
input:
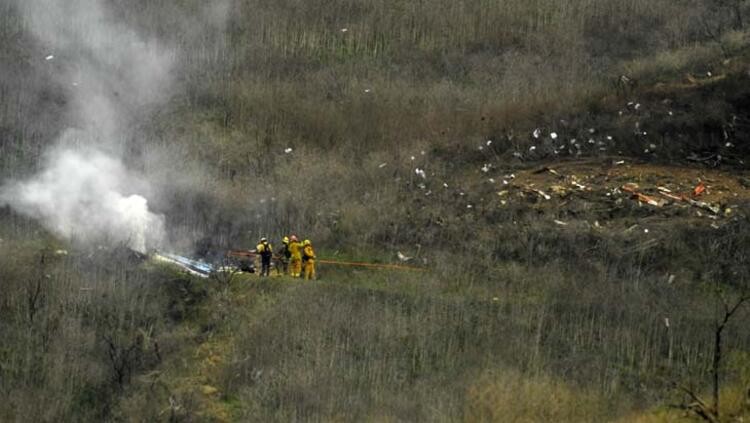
[579,233]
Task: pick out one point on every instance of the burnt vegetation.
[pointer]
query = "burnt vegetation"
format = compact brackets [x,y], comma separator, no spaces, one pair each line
[313,117]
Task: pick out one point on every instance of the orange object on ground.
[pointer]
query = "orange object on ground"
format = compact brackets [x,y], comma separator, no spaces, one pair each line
[700,189]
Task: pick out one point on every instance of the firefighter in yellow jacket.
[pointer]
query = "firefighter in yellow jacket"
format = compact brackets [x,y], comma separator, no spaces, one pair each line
[295,257]
[309,258]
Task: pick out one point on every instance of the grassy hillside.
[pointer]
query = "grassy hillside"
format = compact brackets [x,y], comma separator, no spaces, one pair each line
[587,306]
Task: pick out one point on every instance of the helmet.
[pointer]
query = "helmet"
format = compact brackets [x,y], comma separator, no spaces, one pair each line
[263,239]
[286,240]
[307,242]
[293,238]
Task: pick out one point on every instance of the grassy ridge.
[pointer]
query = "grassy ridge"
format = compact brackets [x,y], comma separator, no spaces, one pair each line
[516,319]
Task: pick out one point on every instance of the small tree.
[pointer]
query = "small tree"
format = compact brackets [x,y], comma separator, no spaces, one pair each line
[725,309]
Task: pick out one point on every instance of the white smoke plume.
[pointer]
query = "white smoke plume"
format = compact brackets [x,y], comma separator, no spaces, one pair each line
[81,193]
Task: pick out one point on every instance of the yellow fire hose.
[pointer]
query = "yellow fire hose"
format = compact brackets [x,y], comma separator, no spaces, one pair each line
[372,265]
[252,254]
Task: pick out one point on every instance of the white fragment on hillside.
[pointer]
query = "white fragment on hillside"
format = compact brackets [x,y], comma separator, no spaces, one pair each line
[486,168]
[553,135]
[420,172]
[50,57]
[288,150]
[537,133]
[382,165]
[489,143]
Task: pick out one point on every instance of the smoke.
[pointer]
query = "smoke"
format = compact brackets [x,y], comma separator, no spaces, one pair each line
[81,195]
[83,191]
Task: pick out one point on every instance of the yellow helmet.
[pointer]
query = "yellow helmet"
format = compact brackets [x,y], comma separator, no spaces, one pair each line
[286,240]
[307,242]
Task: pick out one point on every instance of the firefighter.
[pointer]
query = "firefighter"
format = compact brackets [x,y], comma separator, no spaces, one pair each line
[266,252]
[309,258]
[295,256]
[283,257]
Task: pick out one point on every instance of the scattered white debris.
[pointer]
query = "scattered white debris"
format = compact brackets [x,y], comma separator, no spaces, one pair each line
[532,148]
[344,29]
[486,168]
[709,74]
[553,135]
[652,146]
[671,279]
[50,57]
[461,193]
[262,201]
[505,182]
[666,320]
[469,206]
[492,180]
[402,257]
[288,150]
[61,252]
[592,130]
[645,231]
[367,90]
[543,194]
[537,132]
[609,137]
[670,113]
[489,143]
[495,299]
[382,165]
[422,186]
[422,152]
[445,185]
[729,145]
[591,141]
[420,172]
[481,148]
[637,106]
[560,222]
[413,158]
